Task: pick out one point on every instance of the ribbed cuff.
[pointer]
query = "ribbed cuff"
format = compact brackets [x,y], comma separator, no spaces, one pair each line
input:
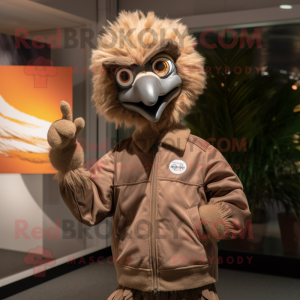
[214,219]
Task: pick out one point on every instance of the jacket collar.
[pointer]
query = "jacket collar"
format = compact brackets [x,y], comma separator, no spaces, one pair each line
[176,137]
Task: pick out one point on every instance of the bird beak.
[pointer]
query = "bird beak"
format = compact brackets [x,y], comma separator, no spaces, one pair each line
[147,89]
[149,94]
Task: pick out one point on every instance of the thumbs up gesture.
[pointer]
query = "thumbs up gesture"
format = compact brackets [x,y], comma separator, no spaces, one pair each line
[65,154]
[63,133]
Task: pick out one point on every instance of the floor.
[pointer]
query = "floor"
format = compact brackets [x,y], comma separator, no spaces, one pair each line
[98,281]
[12,262]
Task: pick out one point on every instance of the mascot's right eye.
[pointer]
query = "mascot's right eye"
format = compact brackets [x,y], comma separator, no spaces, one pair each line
[124,77]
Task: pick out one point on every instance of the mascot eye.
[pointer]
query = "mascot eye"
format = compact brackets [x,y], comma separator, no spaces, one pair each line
[124,77]
[162,66]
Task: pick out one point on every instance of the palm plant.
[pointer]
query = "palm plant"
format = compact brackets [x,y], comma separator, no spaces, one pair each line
[262,110]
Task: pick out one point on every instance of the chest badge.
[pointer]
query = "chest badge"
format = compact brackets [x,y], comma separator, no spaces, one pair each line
[177,166]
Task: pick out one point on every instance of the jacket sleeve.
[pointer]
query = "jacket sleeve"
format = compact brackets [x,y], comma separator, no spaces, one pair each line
[93,202]
[227,208]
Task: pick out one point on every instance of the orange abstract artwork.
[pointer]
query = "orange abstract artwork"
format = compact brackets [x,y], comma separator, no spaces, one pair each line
[29,102]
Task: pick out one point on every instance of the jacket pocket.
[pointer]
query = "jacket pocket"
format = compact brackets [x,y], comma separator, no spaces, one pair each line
[198,227]
[131,249]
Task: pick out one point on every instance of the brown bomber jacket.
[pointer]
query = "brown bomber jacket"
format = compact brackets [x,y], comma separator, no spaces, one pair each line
[172,196]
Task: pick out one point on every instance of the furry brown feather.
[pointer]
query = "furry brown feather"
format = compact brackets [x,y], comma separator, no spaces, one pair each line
[74,179]
[189,66]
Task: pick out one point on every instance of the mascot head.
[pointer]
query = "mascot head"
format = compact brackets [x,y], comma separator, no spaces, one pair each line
[146,71]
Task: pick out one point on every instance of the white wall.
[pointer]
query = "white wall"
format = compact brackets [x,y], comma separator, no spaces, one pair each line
[21,198]
[36,198]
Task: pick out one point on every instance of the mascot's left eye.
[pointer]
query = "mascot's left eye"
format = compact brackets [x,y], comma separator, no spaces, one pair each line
[162,66]
[124,77]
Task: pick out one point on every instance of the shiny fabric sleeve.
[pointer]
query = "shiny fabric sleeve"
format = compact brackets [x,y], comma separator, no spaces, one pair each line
[227,210]
[93,203]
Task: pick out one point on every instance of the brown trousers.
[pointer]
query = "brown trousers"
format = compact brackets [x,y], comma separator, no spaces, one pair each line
[207,292]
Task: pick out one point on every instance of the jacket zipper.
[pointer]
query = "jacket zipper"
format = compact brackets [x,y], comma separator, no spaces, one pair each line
[153,238]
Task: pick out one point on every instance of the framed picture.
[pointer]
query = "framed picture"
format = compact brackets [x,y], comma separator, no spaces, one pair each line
[29,102]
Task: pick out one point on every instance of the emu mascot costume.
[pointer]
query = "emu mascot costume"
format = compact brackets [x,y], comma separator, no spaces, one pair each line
[172,195]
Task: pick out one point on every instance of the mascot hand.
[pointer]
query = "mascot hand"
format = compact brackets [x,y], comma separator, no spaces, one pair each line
[65,154]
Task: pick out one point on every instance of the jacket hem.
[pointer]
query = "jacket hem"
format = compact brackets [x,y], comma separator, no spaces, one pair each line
[168,280]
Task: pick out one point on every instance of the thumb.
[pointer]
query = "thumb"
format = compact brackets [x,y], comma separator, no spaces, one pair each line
[79,123]
[65,110]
